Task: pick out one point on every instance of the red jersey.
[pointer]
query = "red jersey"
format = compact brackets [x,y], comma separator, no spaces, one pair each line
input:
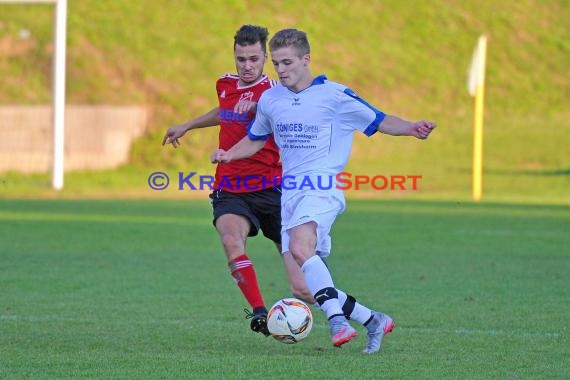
[263,169]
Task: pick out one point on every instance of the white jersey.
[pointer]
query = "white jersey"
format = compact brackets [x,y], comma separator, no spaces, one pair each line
[313,128]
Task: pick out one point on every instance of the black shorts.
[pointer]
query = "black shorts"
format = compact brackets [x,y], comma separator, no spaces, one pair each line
[262,209]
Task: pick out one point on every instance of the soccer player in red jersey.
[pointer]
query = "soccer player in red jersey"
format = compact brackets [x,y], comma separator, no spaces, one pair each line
[247,195]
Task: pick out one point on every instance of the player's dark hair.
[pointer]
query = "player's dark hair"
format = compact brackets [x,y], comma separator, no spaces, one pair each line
[250,35]
[291,37]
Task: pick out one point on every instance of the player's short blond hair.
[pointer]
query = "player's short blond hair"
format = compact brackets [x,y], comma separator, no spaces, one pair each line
[291,37]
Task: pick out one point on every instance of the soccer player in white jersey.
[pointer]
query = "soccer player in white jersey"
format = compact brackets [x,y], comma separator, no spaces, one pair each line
[312,120]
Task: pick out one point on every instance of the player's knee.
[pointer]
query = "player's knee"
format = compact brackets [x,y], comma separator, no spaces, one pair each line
[300,253]
[233,243]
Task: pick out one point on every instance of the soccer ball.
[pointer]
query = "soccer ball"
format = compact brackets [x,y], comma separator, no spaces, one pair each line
[289,320]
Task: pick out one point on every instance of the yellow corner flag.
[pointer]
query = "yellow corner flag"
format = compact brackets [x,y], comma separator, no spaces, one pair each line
[476,88]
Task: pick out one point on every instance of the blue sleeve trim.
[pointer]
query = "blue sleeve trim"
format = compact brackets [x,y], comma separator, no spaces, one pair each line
[373,127]
[253,136]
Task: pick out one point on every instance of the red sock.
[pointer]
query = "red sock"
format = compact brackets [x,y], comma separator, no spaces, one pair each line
[243,272]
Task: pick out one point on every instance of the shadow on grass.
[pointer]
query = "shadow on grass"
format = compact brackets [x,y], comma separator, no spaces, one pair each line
[530,172]
[518,172]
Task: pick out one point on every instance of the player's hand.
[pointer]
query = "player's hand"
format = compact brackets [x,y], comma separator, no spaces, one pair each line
[422,129]
[173,135]
[244,106]
[220,156]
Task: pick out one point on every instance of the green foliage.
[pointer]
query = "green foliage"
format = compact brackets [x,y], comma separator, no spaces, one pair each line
[407,57]
[140,289]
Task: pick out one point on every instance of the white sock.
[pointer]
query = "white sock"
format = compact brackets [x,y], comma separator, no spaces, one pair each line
[318,278]
[360,313]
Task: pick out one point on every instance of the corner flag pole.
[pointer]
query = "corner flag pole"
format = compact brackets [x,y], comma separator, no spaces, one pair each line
[477,89]
[59,93]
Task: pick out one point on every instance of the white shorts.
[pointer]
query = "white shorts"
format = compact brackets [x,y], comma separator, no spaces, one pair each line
[303,207]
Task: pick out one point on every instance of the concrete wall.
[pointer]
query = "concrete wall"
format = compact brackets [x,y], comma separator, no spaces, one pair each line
[96,137]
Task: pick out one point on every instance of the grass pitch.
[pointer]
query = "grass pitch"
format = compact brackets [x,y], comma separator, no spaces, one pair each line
[140,289]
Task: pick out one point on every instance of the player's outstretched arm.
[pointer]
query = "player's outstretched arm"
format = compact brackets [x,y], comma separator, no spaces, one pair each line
[209,119]
[393,125]
[243,149]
